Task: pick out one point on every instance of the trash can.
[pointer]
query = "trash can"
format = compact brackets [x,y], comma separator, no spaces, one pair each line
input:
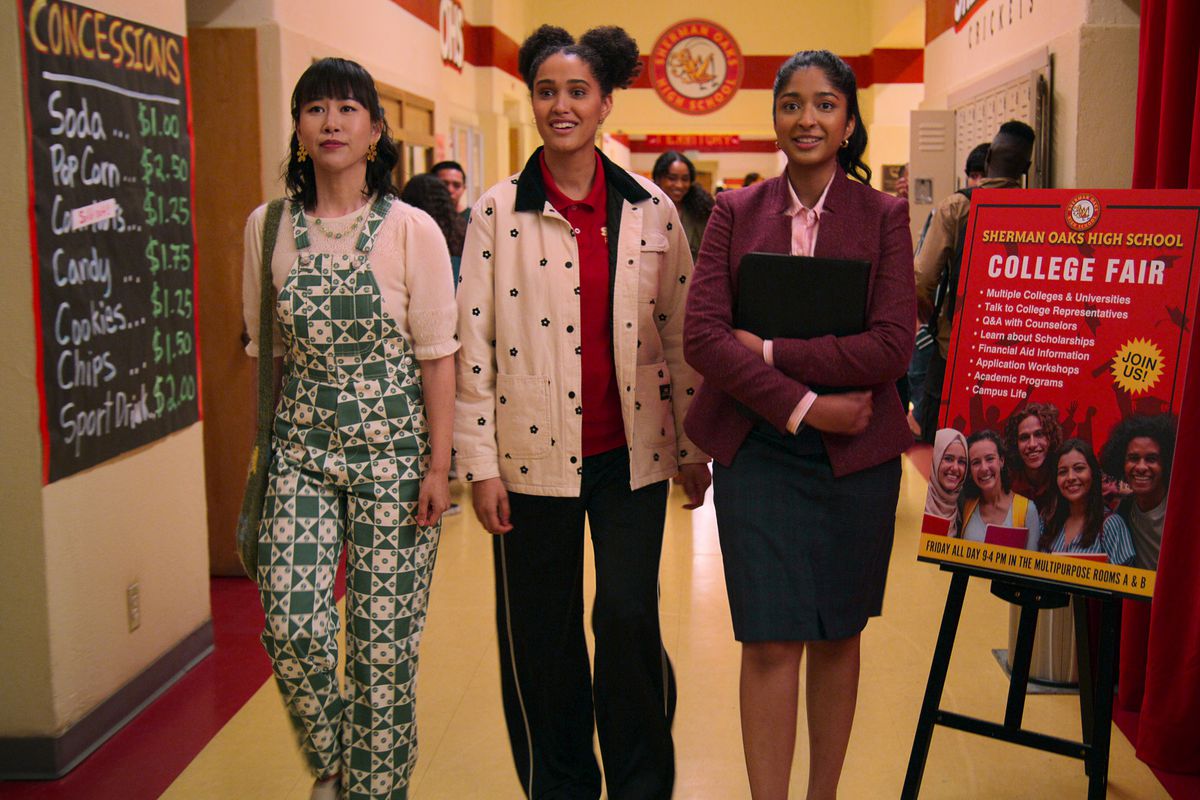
[1053,662]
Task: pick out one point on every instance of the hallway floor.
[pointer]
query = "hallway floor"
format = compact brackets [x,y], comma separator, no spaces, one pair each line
[221,732]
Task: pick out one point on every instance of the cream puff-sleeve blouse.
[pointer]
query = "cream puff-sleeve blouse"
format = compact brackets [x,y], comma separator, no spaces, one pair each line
[410,263]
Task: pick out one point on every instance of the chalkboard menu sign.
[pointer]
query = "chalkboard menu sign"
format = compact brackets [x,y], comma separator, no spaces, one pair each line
[110,152]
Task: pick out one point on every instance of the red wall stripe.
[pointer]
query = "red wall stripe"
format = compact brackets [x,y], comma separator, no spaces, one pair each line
[424,10]
[939,18]
[488,46]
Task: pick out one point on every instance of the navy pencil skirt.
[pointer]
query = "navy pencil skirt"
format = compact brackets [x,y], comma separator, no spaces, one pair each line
[806,554]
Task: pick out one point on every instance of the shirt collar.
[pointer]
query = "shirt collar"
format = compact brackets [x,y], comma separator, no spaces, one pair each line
[595,198]
[794,204]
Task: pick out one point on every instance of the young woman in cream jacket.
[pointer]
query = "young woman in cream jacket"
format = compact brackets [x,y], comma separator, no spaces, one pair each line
[572,394]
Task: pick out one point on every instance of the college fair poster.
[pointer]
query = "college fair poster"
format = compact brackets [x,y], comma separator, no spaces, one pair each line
[1067,360]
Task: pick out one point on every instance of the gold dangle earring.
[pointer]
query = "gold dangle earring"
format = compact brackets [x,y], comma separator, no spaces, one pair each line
[372,152]
[301,154]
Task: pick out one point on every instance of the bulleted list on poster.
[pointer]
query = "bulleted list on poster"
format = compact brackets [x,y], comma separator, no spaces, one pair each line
[1071,330]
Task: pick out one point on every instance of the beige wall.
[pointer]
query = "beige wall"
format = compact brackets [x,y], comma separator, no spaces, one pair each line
[1093,45]
[396,48]
[25,681]
[72,548]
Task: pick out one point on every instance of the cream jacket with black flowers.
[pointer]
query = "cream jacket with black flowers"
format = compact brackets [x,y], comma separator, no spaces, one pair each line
[519,370]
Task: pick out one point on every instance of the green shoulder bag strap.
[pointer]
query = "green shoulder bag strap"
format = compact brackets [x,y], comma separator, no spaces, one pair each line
[266,321]
[260,457]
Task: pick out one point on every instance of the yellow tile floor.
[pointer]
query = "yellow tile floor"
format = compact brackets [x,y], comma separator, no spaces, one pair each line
[464,750]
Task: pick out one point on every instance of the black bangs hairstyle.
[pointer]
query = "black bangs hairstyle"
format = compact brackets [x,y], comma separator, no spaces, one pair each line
[1094,515]
[609,52]
[842,77]
[339,79]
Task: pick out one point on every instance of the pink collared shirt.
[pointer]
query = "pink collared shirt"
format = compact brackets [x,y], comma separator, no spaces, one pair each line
[806,223]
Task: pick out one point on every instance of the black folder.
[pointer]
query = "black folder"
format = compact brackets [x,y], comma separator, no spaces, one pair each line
[799,297]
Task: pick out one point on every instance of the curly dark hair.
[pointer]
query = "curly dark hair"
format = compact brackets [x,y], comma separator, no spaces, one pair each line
[427,192]
[1094,521]
[1047,414]
[1159,428]
[610,52]
[696,202]
[970,490]
[339,79]
[842,77]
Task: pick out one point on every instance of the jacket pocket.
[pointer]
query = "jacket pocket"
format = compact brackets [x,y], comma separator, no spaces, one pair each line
[523,415]
[653,418]
[653,255]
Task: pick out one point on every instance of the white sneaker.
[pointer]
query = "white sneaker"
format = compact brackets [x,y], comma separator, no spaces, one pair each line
[327,789]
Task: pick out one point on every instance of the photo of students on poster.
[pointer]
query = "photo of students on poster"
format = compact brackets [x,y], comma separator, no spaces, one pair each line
[1064,385]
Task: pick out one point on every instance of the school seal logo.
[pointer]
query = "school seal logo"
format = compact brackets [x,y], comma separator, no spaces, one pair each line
[696,66]
[1083,212]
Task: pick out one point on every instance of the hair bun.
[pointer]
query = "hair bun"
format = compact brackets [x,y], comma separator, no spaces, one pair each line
[547,37]
[619,60]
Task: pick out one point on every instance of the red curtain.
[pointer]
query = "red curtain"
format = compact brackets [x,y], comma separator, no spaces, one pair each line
[1160,648]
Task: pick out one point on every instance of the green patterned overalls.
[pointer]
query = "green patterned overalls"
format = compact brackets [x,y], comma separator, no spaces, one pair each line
[349,448]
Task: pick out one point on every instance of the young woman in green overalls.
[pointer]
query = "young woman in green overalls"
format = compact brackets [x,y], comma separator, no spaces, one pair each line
[365,321]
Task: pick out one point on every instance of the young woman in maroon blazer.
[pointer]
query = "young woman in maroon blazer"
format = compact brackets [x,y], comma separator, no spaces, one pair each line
[805,497]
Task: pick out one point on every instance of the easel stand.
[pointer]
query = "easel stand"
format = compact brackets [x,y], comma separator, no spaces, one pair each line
[1095,699]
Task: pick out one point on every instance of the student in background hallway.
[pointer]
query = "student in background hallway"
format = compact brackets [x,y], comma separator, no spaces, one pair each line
[430,194]
[926,340]
[365,321]
[1008,159]
[573,390]
[806,499]
[675,175]
[454,177]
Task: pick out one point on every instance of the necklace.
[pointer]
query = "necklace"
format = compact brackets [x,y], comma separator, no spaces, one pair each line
[336,234]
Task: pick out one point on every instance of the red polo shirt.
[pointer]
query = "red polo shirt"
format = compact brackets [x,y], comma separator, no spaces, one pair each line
[598,400]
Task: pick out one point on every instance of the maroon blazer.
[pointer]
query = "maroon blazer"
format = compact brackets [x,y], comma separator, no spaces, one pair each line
[857,223]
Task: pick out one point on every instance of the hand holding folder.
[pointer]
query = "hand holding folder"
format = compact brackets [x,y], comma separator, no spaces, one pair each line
[800,297]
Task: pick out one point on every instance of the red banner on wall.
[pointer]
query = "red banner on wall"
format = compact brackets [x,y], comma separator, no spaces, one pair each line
[692,140]
[1071,322]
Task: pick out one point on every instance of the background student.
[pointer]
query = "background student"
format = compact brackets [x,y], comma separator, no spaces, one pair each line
[675,175]
[1008,159]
